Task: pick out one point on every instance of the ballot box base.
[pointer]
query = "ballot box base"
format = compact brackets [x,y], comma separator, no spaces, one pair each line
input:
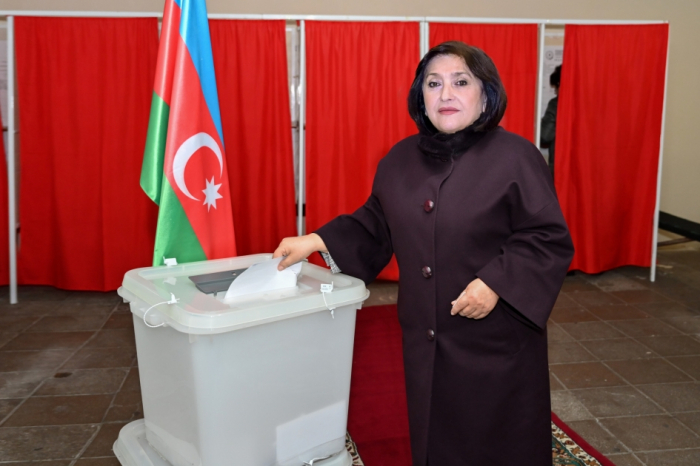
[132,449]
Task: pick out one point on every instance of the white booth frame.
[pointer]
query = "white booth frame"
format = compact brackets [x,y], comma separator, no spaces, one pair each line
[424,27]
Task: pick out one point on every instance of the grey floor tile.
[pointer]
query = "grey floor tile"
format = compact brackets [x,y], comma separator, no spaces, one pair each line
[568,407]
[83,382]
[644,327]
[6,337]
[16,323]
[594,298]
[591,330]
[100,358]
[618,312]
[47,340]
[113,338]
[640,296]
[689,364]
[112,461]
[571,314]
[619,348]
[692,420]
[648,371]
[585,375]
[60,410]
[667,310]
[555,333]
[14,361]
[597,437]
[686,324]
[574,284]
[554,384]
[127,321]
[672,458]
[20,384]
[625,459]
[676,345]
[644,433]
[564,301]
[615,281]
[7,405]
[43,443]
[80,323]
[568,351]
[676,397]
[71,307]
[102,444]
[616,401]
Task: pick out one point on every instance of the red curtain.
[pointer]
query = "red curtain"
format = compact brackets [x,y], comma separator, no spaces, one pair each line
[513,49]
[358,77]
[607,142]
[85,89]
[250,59]
[4,233]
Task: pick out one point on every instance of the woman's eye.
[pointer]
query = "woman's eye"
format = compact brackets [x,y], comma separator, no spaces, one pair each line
[462,82]
[433,84]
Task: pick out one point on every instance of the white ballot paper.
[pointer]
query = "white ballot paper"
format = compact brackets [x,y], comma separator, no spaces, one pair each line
[263,277]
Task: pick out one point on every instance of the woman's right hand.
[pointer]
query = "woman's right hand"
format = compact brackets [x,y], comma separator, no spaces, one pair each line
[298,248]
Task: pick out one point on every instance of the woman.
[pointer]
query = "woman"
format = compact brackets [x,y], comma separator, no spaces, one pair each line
[470,212]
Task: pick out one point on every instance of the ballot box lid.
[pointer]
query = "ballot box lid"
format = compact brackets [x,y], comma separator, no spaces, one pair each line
[148,290]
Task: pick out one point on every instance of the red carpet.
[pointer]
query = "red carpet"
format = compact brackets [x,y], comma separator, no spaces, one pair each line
[378,421]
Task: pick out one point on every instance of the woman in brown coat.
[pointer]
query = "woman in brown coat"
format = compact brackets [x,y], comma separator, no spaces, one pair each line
[470,211]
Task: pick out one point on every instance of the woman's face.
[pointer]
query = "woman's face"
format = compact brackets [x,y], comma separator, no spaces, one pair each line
[453,96]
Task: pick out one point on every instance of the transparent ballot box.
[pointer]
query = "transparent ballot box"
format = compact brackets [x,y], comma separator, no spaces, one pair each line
[263,380]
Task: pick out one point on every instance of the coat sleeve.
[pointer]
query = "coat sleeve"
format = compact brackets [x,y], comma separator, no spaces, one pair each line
[530,270]
[360,243]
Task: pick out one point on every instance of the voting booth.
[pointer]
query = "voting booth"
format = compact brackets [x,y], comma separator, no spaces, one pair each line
[261,379]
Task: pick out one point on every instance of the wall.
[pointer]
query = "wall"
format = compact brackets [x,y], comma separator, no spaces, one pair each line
[681,169]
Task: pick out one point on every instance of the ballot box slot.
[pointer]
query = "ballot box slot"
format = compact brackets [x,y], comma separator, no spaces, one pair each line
[213,283]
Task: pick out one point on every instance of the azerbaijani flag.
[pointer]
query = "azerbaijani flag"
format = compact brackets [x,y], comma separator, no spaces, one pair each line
[184,165]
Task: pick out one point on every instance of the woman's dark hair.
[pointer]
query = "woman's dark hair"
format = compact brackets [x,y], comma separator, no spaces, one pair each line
[480,66]
[555,77]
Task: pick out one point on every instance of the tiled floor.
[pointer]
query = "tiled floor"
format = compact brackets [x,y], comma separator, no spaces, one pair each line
[624,358]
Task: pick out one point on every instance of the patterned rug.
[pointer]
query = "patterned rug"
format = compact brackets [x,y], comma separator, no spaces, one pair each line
[565,450]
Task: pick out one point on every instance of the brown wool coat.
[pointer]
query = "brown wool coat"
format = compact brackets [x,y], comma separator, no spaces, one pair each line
[478,390]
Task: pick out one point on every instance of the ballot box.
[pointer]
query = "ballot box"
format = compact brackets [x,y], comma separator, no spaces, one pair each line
[260,381]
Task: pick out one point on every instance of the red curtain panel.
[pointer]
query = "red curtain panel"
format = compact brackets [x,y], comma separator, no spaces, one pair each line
[85,87]
[4,233]
[358,77]
[250,59]
[513,49]
[607,142]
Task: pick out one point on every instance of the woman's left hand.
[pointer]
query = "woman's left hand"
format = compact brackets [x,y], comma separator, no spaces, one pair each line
[476,301]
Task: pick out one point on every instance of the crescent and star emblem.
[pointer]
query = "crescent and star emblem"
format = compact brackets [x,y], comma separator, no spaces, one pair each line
[184,154]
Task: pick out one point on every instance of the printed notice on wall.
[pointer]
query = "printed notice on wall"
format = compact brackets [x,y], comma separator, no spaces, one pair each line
[553,55]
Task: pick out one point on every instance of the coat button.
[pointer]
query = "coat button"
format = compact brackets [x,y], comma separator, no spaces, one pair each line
[427,272]
[428,205]
[431,334]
